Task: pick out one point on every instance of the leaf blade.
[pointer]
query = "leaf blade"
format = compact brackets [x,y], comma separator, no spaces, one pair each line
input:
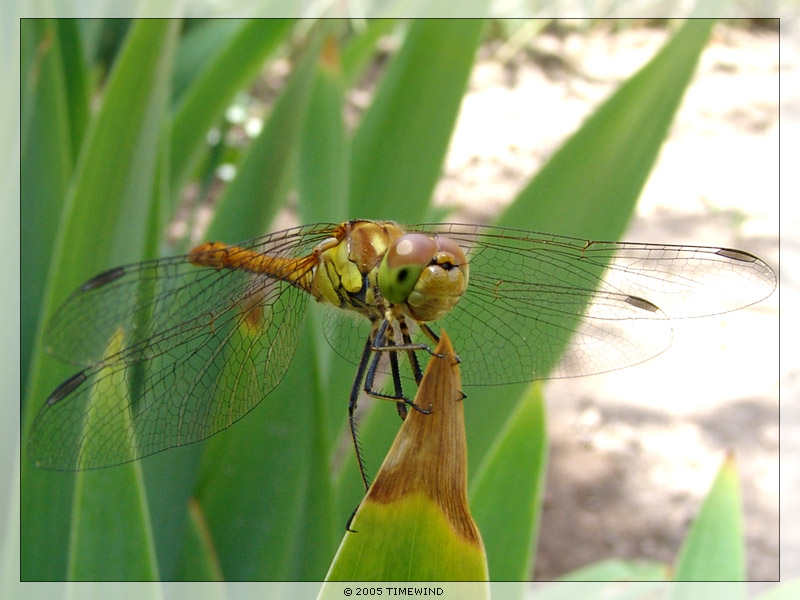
[117,160]
[400,144]
[713,550]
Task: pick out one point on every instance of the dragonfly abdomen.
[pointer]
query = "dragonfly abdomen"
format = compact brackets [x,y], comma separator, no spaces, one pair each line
[297,271]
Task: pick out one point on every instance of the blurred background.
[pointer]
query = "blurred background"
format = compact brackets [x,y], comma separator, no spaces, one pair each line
[632,453]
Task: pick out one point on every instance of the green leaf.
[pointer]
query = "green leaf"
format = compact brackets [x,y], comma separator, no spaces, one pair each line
[107,217]
[409,540]
[198,47]
[255,477]
[46,166]
[508,488]
[714,547]
[77,80]
[212,90]
[266,171]
[102,496]
[324,147]
[103,545]
[360,50]
[400,144]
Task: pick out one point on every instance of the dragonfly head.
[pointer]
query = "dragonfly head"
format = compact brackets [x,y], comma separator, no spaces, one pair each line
[426,274]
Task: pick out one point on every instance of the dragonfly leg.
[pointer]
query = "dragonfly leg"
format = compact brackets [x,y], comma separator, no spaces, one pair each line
[412,354]
[383,343]
[433,337]
[350,520]
[369,367]
[408,345]
[398,386]
[351,408]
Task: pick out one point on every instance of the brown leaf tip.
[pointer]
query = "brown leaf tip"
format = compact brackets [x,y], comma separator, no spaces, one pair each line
[429,454]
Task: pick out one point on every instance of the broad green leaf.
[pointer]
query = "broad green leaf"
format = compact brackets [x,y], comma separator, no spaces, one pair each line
[47,160]
[198,47]
[102,40]
[400,144]
[77,80]
[103,546]
[713,550]
[253,484]
[168,476]
[324,148]
[508,488]
[107,215]
[111,536]
[210,92]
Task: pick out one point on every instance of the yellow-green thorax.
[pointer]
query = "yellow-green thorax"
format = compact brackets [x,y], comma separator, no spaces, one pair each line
[346,275]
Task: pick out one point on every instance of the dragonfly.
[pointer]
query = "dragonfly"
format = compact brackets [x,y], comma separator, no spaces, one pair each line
[177,349]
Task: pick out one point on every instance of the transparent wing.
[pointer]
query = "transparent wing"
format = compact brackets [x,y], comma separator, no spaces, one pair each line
[175,353]
[540,305]
[159,297]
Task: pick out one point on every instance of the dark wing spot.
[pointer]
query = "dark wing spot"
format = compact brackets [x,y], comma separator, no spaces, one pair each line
[737,255]
[642,303]
[103,278]
[66,388]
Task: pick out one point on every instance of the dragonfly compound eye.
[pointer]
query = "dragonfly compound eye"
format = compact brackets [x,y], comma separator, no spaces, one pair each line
[403,264]
[428,274]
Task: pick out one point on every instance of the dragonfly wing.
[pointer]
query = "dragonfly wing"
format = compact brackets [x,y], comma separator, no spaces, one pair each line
[182,386]
[534,299]
[522,335]
[176,353]
[346,332]
[157,297]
